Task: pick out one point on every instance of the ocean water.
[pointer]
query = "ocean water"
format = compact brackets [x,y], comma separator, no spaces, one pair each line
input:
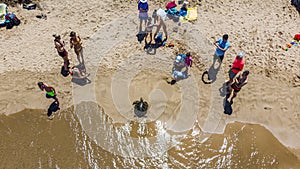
[30,140]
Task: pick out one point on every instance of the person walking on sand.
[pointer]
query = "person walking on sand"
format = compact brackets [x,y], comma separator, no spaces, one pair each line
[143,12]
[50,91]
[237,85]
[222,45]
[236,67]
[161,18]
[60,47]
[75,41]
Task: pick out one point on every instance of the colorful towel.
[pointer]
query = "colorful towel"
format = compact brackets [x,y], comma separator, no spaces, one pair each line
[192,14]
[2,13]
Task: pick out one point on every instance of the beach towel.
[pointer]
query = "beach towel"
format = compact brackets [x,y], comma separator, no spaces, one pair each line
[3,12]
[192,14]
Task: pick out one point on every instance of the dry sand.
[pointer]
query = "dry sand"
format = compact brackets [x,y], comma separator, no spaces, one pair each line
[258,28]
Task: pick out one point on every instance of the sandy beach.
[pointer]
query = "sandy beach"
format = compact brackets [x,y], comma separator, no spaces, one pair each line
[266,110]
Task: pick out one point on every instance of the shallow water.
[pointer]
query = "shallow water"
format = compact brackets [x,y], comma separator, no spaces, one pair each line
[30,140]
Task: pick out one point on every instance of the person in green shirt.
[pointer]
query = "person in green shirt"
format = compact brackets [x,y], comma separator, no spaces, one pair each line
[50,91]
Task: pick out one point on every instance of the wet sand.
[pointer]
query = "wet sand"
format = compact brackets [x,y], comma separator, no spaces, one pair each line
[29,140]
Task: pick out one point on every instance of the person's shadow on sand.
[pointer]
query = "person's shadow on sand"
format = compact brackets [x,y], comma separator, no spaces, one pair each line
[212,71]
[79,75]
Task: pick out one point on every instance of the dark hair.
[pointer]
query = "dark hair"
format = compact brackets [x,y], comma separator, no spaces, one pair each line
[72,34]
[225,37]
[40,84]
[246,72]
[56,36]
[188,54]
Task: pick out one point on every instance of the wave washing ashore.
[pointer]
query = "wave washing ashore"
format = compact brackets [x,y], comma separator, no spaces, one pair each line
[187,111]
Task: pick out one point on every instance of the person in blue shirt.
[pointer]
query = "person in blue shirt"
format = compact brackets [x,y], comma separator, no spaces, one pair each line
[143,8]
[222,45]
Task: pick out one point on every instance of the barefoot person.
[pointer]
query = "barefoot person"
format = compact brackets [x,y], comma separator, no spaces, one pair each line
[236,67]
[237,85]
[50,91]
[143,12]
[75,41]
[222,46]
[60,47]
[161,18]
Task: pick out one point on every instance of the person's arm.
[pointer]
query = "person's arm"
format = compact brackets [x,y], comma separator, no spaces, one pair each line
[71,43]
[191,63]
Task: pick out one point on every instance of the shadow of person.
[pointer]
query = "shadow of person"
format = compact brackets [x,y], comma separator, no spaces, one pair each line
[223,90]
[79,75]
[141,36]
[212,71]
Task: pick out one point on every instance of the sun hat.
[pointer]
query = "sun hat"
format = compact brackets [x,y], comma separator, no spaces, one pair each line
[240,55]
[143,1]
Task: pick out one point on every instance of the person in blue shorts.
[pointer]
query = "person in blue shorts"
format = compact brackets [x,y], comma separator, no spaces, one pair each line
[222,45]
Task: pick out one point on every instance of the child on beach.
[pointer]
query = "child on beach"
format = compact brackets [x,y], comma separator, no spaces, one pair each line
[50,91]
[149,30]
[75,41]
[188,60]
[62,52]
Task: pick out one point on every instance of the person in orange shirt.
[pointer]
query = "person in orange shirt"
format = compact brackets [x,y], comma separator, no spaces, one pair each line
[236,67]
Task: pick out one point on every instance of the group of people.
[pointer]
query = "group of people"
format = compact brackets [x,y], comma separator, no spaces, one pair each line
[237,78]
[77,72]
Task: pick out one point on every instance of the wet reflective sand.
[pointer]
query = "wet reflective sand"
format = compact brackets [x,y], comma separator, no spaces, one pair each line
[29,140]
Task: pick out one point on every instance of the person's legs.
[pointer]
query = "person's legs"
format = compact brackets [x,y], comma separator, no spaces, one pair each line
[157,30]
[81,54]
[140,28]
[234,95]
[165,31]
[221,59]
[146,36]
[231,76]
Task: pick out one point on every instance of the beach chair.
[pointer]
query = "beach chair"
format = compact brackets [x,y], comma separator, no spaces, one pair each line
[3,12]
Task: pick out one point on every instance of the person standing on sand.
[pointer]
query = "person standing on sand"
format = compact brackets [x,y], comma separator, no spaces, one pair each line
[50,91]
[237,85]
[222,45]
[75,41]
[143,12]
[236,67]
[62,52]
[161,18]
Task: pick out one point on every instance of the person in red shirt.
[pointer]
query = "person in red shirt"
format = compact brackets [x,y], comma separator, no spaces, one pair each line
[236,67]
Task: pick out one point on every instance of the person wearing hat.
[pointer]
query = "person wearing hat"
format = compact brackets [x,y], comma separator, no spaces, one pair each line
[222,45]
[237,85]
[62,52]
[143,12]
[236,67]
[75,41]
